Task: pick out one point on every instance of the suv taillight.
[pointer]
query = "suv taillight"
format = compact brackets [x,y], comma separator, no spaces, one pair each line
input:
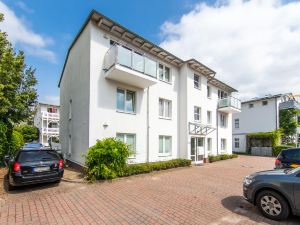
[278,163]
[17,167]
[60,164]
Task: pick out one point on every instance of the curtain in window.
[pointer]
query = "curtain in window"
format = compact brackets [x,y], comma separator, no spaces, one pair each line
[120,99]
[130,101]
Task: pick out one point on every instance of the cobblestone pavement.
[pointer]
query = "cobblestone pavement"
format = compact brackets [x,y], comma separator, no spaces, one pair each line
[210,195]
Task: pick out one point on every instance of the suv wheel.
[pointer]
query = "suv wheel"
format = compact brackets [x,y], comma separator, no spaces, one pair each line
[272,205]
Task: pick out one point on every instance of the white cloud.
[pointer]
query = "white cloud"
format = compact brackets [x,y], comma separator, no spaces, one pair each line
[253,45]
[51,100]
[24,7]
[19,33]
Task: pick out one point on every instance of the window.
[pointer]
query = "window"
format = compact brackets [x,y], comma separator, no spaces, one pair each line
[223,144]
[223,120]
[222,94]
[165,145]
[165,108]
[251,105]
[164,73]
[236,123]
[209,145]
[209,113]
[129,139]
[264,103]
[197,81]
[125,101]
[197,113]
[208,92]
[237,143]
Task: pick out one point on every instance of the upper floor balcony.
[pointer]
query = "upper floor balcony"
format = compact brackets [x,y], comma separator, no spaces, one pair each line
[51,116]
[130,67]
[229,105]
[49,130]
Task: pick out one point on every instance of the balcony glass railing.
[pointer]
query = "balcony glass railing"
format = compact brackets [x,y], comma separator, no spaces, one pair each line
[131,59]
[229,102]
[50,115]
[50,130]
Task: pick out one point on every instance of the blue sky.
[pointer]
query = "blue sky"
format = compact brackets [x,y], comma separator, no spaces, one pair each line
[252,45]
[61,20]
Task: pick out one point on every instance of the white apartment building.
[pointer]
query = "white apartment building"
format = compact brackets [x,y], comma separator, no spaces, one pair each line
[46,119]
[117,84]
[259,115]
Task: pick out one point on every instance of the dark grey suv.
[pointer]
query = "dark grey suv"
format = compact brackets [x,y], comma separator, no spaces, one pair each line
[276,193]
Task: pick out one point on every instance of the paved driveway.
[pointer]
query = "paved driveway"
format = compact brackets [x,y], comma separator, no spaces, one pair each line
[210,194]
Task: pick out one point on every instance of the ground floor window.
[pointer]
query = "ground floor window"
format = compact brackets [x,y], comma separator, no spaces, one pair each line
[223,144]
[209,145]
[237,143]
[130,140]
[165,145]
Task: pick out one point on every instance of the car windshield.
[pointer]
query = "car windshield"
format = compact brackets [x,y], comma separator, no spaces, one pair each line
[296,170]
[33,145]
[37,155]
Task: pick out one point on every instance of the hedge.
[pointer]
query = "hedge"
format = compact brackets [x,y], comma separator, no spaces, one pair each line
[133,169]
[214,158]
[277,149]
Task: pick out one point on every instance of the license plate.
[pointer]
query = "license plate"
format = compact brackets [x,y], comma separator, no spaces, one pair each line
[41,169]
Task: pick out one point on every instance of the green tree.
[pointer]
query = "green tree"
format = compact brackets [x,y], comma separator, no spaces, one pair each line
[29,133]
[288,121]
[17,91]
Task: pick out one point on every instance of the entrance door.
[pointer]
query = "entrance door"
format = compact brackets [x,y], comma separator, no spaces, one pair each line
[197,149]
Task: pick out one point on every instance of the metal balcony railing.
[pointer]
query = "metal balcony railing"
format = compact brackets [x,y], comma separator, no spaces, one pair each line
[50,115]
[131,59]
[229,102]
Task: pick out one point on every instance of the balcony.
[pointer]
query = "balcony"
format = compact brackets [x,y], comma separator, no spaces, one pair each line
[290,104]
[48,130]
[51,116]
[129,67]
[200,129]
[229,105]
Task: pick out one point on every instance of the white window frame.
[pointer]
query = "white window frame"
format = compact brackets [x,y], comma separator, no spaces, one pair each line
[237,123]
[223,144]
[133,155]
[125,95]
[209,145]
[223,118]
[236,143]
[197,84]
[164,73]
[198,114]
[209,118]
[164,153]
[165,104]
[208,92]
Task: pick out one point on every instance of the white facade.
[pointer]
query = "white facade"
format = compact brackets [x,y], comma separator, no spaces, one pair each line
[157,122]
[46,119]
[257,115]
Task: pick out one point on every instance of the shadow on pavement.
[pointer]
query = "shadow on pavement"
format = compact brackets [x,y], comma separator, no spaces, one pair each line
[239,206]
[27,188]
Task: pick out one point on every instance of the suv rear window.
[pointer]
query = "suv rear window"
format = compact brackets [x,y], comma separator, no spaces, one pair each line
[37,155]
[291,154]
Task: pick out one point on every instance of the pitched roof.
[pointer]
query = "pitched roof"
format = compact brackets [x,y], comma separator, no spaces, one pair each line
[123,33]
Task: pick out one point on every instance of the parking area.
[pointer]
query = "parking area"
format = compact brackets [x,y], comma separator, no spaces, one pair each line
[210,194]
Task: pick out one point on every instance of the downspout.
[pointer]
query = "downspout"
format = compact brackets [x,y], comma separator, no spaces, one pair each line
[217,129]
[148,151]
[276,114]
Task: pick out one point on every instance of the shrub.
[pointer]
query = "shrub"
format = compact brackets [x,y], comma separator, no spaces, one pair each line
[214,158]
[133,169]
[17,142]
[106,159]
[277,149]
[30,133]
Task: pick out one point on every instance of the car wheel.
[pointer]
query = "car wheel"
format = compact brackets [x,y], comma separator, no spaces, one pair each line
[272,205]
[9,186]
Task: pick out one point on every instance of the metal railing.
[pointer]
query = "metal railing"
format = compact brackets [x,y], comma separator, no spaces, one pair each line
[129,58]
[229,102]
[50,115]
[50,130]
